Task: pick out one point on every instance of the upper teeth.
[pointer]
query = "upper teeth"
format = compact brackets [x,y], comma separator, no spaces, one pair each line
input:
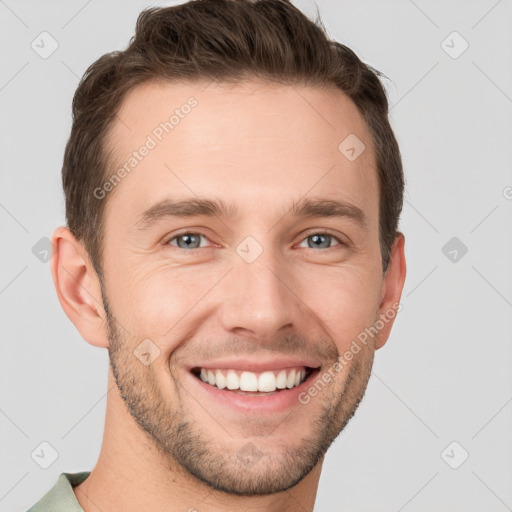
[249,381]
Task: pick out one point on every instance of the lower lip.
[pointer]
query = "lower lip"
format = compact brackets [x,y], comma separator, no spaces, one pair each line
[276,402]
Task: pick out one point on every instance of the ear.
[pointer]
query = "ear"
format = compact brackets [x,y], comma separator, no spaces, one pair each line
[392,287]
[78,287]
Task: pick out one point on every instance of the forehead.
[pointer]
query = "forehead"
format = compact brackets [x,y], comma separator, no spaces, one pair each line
[247,142]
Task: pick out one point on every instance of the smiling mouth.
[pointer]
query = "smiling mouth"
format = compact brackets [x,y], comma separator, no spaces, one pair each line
[254,383]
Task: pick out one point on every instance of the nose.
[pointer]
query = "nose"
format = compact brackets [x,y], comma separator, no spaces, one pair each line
[258,299]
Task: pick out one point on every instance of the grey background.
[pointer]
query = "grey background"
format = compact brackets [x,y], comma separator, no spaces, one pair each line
[443,376]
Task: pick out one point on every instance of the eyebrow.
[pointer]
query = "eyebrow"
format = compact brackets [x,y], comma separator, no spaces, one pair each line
[196,206]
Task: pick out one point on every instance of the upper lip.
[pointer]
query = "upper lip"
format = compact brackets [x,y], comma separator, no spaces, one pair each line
[253,365]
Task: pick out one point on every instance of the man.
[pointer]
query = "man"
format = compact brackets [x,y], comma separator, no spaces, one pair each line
[233,189]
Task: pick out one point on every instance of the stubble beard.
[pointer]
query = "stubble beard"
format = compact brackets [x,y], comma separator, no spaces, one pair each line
[187,448]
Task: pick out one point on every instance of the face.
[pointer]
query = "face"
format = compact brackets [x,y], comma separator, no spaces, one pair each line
[241,261]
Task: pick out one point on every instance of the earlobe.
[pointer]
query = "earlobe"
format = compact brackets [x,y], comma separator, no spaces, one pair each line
[391,290]
[78,287]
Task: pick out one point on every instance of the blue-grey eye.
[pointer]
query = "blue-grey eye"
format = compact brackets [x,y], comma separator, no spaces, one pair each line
[320,241]
[187,240]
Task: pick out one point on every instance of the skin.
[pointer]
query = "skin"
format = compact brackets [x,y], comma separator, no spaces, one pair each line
[259,146]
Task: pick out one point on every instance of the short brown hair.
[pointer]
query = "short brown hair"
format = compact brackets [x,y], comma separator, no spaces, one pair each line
[223,40]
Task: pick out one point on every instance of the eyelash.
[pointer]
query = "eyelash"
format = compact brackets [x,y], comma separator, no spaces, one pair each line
[340,243]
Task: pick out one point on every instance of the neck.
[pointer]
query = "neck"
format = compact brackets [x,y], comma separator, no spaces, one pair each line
[132,475]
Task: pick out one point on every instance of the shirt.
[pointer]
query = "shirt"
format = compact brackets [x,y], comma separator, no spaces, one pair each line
[61,498]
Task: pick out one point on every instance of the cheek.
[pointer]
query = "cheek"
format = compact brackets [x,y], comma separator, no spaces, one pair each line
[162,298]
[345,302]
